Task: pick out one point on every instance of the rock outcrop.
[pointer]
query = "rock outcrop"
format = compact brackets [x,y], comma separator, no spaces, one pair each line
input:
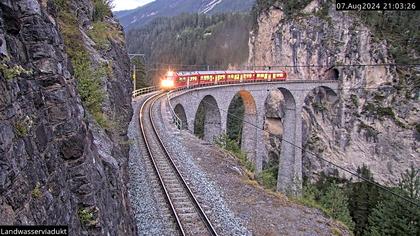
[373,120]
[61,161]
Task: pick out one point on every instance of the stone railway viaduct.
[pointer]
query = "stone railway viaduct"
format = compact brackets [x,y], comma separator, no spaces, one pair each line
[216,101]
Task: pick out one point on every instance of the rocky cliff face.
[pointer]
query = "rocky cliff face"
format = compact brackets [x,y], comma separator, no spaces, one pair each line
[373,120]
[63,155]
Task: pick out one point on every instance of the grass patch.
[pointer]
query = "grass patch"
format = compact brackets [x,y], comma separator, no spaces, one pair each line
[381,112]
[86,216]
[21,129]
[332,202]
[10,71]
[232,146]
[36,192]
[268,178]
[102,32]
[88,78]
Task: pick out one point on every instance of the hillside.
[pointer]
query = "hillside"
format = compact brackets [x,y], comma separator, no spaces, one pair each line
[371,127]
[139,17]
[220,41]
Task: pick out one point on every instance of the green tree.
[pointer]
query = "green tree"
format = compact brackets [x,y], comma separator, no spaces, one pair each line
[190,42]
[394,215]
[235,119]
[363,197]
[199,121]
[336,201]
[141,79]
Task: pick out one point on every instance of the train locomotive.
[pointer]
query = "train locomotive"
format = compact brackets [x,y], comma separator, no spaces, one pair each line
[176,80]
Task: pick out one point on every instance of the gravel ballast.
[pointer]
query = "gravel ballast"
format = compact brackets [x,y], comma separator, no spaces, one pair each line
[204,189]
[146,208]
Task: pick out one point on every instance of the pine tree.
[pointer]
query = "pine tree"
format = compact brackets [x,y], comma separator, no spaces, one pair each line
[396,216]
[363,197]
[336,201]
[140,73]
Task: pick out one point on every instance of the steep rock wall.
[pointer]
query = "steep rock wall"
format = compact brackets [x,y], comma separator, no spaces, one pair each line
[57,165]
[374,120]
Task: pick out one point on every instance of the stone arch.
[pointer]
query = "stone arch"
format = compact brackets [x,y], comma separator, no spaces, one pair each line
[273,132]
[249,121]
[288,171]
[320,99]
[180,112]
[320,109]
[211,118]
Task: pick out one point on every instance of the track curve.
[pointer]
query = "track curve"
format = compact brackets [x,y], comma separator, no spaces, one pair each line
[186,211]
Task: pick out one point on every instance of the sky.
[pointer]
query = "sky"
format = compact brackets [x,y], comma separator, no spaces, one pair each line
[129,4]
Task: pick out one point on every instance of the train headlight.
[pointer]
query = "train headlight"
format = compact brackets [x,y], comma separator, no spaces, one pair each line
[167,83]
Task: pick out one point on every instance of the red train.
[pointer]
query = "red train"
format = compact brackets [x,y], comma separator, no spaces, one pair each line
[190,79]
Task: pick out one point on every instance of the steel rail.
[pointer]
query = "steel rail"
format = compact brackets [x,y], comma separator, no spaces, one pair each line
[168,198]
[190,193]
[152,100]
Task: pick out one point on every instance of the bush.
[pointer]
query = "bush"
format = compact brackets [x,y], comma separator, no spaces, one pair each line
[101,33]
[10,72]
[60,5]
[102,9]
[86,216]
[224,142]
[23,126]
[88,77]
[268,177]
[36,192]
[89,87]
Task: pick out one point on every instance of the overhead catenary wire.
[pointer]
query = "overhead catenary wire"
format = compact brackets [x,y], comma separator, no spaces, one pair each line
[292,66]
[313,154]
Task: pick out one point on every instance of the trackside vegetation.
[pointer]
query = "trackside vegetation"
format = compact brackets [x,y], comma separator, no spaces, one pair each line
[87,74]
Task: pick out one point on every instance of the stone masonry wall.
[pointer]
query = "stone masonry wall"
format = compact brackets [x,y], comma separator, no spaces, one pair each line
[57,165]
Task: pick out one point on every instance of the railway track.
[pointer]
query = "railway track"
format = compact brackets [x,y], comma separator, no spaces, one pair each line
[186,214]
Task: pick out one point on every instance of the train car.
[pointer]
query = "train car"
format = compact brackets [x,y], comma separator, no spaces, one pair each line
[204,78]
